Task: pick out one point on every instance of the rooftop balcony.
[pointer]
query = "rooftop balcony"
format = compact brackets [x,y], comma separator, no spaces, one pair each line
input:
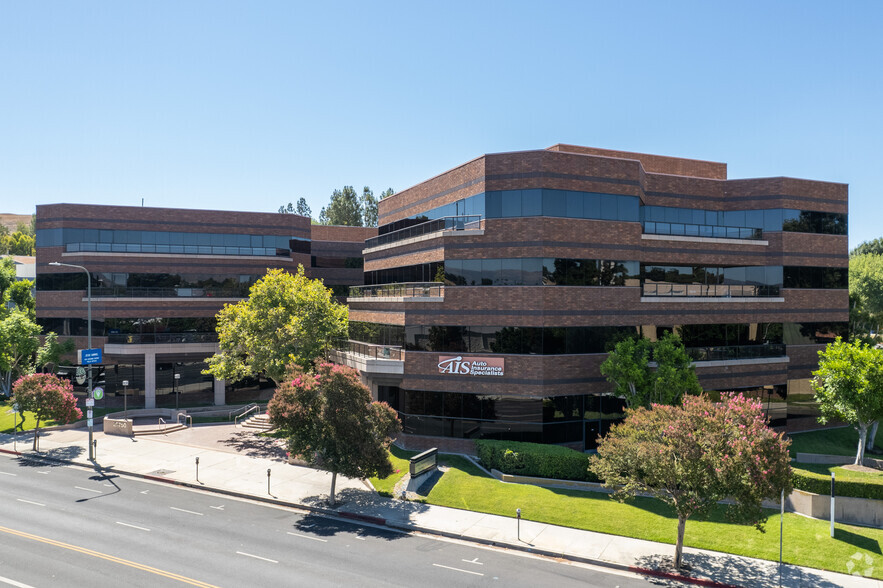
[413,291]
[160,338]
[704,231]
[174,292]
[366,357]
[737,352]
[426,230]
[669,290]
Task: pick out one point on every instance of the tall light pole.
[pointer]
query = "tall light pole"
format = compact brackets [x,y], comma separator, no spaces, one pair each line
[88,335]
[175,388]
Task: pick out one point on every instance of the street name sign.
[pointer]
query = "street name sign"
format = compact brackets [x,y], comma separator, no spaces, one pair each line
[89,356]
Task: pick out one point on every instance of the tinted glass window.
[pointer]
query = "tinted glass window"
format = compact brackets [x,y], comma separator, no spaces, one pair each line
[511,203]
[554,203]
[532,202]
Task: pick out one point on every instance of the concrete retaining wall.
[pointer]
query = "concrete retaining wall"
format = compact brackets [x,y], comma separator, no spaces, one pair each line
[836,459]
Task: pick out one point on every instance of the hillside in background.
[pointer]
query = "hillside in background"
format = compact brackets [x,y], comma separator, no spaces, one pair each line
[11,221]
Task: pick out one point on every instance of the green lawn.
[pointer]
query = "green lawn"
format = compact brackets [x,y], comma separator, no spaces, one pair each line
[6,419]
[840,441]
[806,541]
[840,472]
[400,463]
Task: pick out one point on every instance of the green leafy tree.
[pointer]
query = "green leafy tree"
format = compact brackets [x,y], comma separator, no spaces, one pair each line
[18,243]
[286,319]
[48,397]
[874,247]
[344,208]
[387,193]
[629,368]
[848,386]
[694,455]
[369,207]
[329,420]
[302,208]
[19,342]
[865,292]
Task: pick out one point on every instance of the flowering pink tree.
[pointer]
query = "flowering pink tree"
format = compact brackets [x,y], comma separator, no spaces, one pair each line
[48,397]
[329,420]
[694,455]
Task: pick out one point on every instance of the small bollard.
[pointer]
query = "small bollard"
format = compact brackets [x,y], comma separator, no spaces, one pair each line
[197,469]
[268,481]
[518,516]
[95,449]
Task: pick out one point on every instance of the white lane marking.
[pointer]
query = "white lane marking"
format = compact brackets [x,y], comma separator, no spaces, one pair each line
[109,485]
[308,537]
[257,557]
[29,502]
[458,570]
[89,490]
[145,491]
[217,507]
[44,473]
[360,538]
[473,561]
[133,526]
[184,510]
[14,583]
[8,474]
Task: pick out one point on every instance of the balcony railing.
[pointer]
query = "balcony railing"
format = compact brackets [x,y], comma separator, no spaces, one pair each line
[370,350]
[688,230]
[446,223]
[130,292]
[733,352]
[710,290]
[153,338]
[403,290]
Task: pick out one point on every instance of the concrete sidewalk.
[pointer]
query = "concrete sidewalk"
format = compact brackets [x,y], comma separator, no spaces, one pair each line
[236,461]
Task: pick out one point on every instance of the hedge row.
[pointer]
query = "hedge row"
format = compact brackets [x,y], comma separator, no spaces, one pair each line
[534,459]
[821,484]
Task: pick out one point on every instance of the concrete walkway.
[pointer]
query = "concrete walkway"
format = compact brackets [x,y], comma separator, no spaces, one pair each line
[236,461]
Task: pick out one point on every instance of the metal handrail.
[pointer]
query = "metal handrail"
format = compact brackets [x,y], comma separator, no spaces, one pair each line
[695,230]
[127,338]
[186,418]
[400,290]
[445,223]
[371,350]
[173,292]
[735,352]
[249,411]
[161,423]
[240,409]
[709,290]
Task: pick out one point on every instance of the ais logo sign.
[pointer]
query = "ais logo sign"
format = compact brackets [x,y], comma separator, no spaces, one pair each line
[470,366]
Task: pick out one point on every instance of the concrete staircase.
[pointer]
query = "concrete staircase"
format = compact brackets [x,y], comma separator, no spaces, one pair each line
[257,422]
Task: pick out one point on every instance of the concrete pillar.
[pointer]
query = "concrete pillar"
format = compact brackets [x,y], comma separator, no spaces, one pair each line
[220,392]
[150,379]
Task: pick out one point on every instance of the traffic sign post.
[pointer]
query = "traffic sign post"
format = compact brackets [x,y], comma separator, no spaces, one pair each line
[89,356]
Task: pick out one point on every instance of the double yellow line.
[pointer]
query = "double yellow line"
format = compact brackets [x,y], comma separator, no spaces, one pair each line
[111,558]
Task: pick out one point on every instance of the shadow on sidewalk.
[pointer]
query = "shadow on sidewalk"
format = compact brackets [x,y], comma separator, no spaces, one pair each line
[365,502]
[64,454]
[735,571]
[252,445]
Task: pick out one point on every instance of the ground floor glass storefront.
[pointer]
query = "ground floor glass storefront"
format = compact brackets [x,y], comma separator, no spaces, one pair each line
[574,420]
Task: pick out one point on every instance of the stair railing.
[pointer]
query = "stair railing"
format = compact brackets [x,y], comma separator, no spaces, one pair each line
[246,412]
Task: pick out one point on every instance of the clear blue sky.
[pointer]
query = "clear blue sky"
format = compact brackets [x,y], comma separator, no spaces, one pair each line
[250,105]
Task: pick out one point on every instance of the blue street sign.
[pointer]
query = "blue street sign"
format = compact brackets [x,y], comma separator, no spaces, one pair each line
[90,356]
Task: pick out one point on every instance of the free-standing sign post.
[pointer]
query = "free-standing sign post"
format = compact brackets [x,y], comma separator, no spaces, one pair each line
[832,504]
[91,356]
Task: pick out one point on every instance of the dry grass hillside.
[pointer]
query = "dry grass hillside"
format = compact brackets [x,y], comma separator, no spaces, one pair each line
[11,221]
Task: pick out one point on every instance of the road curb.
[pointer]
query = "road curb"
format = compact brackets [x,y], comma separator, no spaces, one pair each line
[382,522]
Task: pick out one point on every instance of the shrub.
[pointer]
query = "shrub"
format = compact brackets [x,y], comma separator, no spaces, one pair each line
[821,484]
[534,459]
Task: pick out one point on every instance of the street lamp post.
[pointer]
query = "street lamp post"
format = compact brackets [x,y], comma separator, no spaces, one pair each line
[88,337]
[125,397]
[175,388]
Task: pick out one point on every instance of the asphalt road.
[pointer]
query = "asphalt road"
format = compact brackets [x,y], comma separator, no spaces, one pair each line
[68,526]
